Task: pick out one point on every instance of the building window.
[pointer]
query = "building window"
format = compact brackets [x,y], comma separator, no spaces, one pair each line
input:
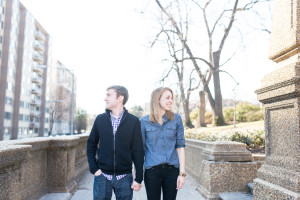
[22,104]
[11,72]
[12,56]
[46,120]
[9,86]
[8,101]
[7,115]
[21,118]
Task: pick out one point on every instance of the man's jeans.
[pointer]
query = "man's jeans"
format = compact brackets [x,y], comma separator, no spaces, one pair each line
[122,188]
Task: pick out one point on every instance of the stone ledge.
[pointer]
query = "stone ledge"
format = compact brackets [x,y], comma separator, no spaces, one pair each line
[266,190]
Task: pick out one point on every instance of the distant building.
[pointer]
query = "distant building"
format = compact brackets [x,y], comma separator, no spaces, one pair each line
[61,99]
[24,74]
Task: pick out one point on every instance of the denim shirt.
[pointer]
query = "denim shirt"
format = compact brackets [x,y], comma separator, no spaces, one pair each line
[161,141]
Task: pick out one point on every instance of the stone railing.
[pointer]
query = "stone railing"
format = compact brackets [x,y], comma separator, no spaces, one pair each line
[221,167]
[30,168]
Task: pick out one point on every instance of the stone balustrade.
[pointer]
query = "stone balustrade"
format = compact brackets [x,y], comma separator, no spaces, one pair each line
[30,168]
[221,167]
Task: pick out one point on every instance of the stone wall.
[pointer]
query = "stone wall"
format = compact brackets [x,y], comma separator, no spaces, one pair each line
[221,167]
[29,168]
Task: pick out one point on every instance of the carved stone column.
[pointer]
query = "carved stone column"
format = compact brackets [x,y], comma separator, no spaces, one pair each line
[279,177]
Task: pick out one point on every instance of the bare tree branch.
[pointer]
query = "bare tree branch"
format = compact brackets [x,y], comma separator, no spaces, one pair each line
[226,32]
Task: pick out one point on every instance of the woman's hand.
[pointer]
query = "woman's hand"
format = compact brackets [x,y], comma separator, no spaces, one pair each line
[180,182]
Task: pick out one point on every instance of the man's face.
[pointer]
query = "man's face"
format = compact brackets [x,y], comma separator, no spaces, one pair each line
[112,100]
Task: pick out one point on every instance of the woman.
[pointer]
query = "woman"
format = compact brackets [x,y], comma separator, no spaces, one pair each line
[163,137]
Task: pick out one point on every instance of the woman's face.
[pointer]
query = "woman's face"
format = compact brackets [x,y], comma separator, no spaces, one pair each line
[166,100]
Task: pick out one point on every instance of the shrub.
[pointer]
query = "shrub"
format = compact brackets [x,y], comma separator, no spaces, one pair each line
[245,112]
[254,139]
[194,115]
[228,114]
[208,117]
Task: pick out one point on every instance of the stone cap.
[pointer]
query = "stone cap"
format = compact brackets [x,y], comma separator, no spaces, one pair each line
[285,36]
[226,151]
[64,142]
[12,154]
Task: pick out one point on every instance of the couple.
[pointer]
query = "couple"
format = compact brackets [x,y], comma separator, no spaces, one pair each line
[118,138]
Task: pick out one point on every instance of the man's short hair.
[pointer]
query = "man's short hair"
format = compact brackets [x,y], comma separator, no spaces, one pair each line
[121,91]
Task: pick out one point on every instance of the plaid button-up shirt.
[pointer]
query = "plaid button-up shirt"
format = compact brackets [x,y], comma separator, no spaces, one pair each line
[115,122]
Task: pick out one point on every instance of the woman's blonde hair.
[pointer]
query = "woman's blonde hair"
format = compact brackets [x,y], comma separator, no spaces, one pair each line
[155,107]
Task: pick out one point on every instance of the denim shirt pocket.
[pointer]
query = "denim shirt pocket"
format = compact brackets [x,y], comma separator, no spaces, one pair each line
[151,133]
[171,131]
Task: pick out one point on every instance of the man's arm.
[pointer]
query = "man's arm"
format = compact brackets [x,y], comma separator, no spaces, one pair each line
[138,152]
[91,148]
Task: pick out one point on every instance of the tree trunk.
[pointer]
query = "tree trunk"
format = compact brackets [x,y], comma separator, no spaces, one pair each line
[185,105]
[202,109]
[218,119]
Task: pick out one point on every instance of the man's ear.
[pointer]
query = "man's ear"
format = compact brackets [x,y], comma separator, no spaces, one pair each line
[120,99]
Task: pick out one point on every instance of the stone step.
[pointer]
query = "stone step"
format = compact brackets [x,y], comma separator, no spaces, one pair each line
[250,186]
[235,196]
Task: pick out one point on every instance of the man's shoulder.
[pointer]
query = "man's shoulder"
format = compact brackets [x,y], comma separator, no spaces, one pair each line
[132,117]
[101,116]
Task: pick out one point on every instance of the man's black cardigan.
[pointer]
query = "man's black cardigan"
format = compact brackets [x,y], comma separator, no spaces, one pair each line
[115,155]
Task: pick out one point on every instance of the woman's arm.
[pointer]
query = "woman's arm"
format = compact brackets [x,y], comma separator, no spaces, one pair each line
[181,157]
[181,176]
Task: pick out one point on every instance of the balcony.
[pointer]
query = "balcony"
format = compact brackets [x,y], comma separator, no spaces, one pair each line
[34,125]
[34,113]
[37,80]
[40,36]
[37,69]
[36,91]
[35,102]
[39,46]
[38,58]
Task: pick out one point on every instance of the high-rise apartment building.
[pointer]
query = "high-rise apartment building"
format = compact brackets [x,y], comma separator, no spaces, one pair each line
[62,99]
[25,68]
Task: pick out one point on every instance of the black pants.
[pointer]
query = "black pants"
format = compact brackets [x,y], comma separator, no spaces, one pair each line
[162,177]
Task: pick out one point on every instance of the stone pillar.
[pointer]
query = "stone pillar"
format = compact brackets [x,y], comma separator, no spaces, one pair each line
[12,157]
[61,165]
[219,167]
[279,177]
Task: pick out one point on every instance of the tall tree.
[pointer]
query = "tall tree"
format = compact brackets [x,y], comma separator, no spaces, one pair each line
[178,64]
[216,41]
[137,111]
[81,120]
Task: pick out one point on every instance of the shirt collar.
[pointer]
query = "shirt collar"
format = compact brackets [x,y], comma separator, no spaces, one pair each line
[118,116]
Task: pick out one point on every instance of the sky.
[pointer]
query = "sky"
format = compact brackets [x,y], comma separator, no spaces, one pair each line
[107,43]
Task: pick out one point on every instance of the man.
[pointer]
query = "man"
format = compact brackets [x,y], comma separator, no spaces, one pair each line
[118,134]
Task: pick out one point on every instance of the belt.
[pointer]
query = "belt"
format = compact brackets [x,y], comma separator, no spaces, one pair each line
[162,166]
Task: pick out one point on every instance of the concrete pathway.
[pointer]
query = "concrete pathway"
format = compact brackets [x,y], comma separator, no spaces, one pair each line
[85,190]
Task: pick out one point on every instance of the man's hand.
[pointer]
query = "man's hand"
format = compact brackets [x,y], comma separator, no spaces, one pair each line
[98,173]
[136,186]
[180,182]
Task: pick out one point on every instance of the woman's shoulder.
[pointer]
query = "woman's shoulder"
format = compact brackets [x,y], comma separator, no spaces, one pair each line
[177,116]
[145,119]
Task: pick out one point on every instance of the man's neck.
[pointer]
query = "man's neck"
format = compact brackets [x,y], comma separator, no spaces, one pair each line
[117,111]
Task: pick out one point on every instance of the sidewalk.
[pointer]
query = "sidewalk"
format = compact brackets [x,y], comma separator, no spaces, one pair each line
[85,191]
